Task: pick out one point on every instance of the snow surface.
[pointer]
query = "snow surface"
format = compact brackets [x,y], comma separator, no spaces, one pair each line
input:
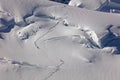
[88,4]
[45,40]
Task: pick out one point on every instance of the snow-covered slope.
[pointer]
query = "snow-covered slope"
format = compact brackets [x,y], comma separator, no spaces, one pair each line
[111,6]
[89,4]
[45,40]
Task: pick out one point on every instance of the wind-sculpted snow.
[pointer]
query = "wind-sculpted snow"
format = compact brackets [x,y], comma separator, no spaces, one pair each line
[45,40]
[111,6]
[88,4]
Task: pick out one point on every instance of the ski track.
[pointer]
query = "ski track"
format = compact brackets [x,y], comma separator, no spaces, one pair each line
[35,42]
[57,69]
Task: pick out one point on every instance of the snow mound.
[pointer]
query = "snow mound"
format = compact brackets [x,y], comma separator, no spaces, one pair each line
[33,28]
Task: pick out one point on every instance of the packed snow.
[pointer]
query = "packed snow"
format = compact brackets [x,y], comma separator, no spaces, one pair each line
[46,40]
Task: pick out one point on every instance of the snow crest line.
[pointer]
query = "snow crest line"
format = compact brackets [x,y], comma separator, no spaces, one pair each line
[13,62]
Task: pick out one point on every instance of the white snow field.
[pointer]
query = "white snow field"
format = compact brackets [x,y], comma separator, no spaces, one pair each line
[45,40]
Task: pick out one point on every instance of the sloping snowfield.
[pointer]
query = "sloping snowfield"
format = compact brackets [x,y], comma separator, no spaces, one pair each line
[45,40]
